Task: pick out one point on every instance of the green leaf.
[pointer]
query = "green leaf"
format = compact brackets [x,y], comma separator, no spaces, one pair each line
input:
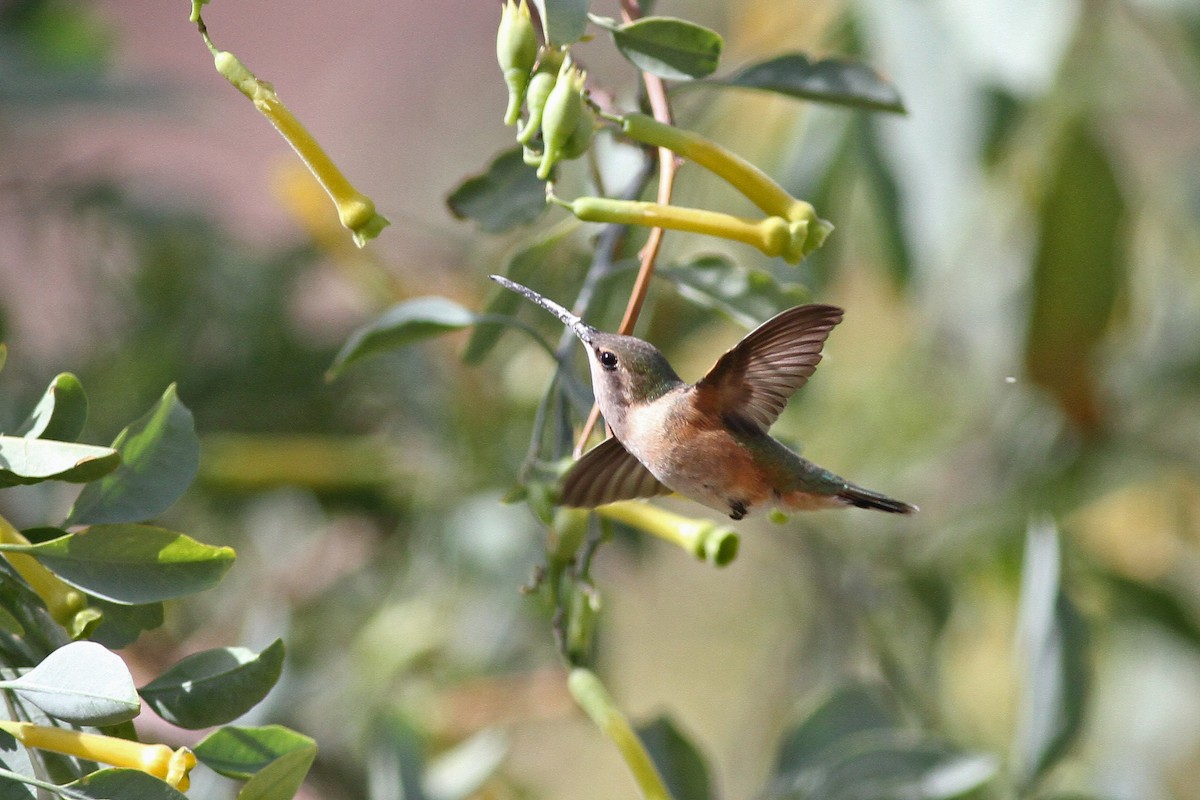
[282,778]
[3,354]
[680,764]
[667,47]
[401,325]
[60,414]
[82,683]
[239,753]
[563,21]
[159,458]
[214,687]
[26,461]
[121,624]
[831,80]
[1052,642]
[1155,603]
[1078,274]
[132,564]
[396,757]
[885,192]
[747,296]
[507,195]
[848,713]
[107,784]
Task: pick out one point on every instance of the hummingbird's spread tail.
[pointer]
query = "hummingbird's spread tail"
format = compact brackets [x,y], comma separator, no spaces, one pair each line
[865,498]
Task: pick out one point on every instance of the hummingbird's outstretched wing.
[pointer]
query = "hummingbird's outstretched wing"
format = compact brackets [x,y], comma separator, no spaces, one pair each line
[607,473]
[752,382]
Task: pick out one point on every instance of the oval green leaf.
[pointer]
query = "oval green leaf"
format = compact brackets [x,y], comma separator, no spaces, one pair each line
[239,753]
[679,763]
[60,414]
[831,80]
[132,564]
[25,461]
[508,194]
[82,683]
[401,325]
[667,47]
[160,455]
[107,784]
[282,778]
[563,21]
[121,624]
[214,687]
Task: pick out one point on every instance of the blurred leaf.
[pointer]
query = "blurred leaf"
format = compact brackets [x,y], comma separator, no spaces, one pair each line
[397,759]
[1153,603]
[132,564]
[121,624]
[831,80]
[849,711]
[82,683]
[563,21]
[401,325]
[1052,645]
[522,264]
[886,193]
[3,354]
[507,195]
[282,778]
[239,753]
[107,784]
[26,461]
[680,764]
[670,48]
[460,772]
[1078,274]
[892,766]
[60,414]
[160,455]
[747,296]
[214,687]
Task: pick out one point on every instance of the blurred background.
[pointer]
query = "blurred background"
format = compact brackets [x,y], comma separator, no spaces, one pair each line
[1018,257]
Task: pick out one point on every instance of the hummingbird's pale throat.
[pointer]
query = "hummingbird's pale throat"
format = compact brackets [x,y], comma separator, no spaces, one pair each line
[707,441]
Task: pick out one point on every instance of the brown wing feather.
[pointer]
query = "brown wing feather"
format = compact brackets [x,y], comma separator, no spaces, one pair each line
[754,380]
[605,474]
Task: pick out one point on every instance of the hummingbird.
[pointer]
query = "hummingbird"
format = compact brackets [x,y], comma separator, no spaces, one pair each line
[707,441]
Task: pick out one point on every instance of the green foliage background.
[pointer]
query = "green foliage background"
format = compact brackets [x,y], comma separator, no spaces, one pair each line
[1017,257]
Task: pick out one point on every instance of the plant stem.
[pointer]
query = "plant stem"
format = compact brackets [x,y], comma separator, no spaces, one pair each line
[594,699]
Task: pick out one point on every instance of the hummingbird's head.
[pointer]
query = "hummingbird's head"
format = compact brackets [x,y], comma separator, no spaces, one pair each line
[625,370]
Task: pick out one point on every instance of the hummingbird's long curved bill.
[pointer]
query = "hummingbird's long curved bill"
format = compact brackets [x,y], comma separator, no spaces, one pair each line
[577,325]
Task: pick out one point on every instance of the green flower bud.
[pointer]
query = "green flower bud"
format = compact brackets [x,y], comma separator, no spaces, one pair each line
[540,86]
[560,117]
[516,51]
[581,137]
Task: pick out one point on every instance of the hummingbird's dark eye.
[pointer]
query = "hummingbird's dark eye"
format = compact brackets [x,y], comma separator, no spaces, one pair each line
[608,359]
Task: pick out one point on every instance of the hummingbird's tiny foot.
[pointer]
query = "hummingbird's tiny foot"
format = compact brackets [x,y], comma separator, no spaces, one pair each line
[737,509]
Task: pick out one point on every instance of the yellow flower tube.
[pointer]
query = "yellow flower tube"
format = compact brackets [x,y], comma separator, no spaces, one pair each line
[705,539]
[62,601]
[172,766]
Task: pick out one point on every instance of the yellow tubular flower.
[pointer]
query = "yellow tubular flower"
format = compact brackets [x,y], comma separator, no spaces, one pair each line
[355,210]
[62,601]
[172,766]
[705,539]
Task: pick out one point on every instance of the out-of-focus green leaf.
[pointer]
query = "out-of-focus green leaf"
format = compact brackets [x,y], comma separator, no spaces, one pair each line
[282,778]
[460,773]
[400,326]
[26,461]
[396,758]
[508,194]
[563,21]
[747,296]
[680,764]
[239,753]
[831,80]
[160,455]
[107,784]
[3,354]
[522,264]
[214,687]
[60,414]
[849,711]
[132,564]
[1078,274]
[886,194]
[82,683]
[1153,603]
[1052,642]
[667,47]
